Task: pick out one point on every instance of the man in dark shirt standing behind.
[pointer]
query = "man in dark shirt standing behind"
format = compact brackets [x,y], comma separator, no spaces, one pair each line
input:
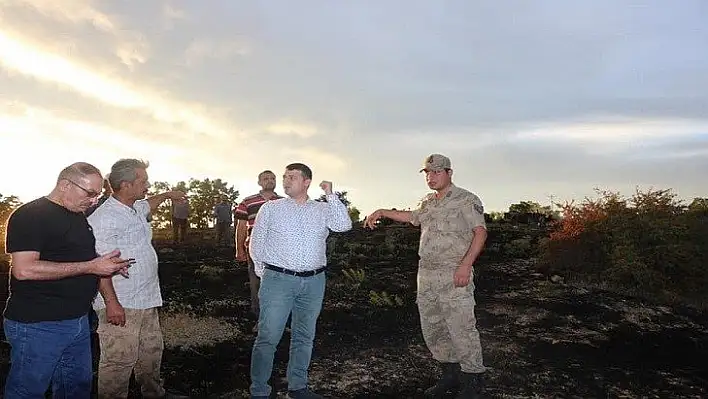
[54,278]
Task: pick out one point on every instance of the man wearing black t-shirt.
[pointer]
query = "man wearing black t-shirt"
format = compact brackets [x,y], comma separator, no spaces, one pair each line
[54,278]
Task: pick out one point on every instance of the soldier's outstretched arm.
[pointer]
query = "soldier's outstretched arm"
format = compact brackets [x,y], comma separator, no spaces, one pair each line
[399,216]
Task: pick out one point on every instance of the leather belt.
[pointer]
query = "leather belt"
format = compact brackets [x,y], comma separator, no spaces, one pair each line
[307,273]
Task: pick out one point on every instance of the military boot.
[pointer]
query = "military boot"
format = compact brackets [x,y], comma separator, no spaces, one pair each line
[449,380]
[470,386]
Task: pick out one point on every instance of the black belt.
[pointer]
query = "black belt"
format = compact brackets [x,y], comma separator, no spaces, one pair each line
[307,273]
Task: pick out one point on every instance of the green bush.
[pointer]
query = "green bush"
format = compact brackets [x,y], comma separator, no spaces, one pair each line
[7,206]
[518,248]
[385,300]
[651,244]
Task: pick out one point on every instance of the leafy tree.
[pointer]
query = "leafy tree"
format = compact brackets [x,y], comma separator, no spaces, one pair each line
[342,197]
[7,205]
[204,195]
[529,207]
[496,216]
[698,204]
[649,243]
[354,213]
[163,216]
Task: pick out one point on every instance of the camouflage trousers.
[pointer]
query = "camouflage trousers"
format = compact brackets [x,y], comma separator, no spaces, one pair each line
[137,346]
[447,318]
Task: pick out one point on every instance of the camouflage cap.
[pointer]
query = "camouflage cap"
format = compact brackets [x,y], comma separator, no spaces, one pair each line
[436,162]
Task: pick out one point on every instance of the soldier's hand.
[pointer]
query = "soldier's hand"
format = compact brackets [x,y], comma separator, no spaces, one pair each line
[109,264]
[370,221]
[326,186]
[462,276]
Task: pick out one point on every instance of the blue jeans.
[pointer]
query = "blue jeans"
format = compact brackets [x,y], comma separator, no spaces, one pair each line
[279,295]
[56,352]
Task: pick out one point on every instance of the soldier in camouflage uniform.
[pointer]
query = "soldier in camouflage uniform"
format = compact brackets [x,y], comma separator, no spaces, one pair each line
[453,233]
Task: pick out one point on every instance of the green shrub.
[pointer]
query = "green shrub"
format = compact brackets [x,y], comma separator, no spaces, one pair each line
[518,248]
[650,243]
[354,278]
[385,300]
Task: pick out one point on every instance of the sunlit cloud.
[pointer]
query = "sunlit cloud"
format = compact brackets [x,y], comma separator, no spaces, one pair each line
[24,121]
[316,158]
[423,142]
[172,13]
[132,53]
[213,90]
[201,50]
[618,132]
[40,143]
[292,129]
[17,56]
[72,11]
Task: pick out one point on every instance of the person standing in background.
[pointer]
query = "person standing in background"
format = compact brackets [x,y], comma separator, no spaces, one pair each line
[107,191]
[224,218]
[180,220]
[245,213]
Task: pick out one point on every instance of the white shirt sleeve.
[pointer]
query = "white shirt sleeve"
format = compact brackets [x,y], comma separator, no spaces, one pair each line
[258,238]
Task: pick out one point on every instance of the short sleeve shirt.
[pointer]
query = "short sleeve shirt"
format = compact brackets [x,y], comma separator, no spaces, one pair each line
[249,207]
[58,235]
[447,225]
[118,226]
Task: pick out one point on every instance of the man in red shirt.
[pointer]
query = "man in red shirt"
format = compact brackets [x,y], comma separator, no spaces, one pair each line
[245,213]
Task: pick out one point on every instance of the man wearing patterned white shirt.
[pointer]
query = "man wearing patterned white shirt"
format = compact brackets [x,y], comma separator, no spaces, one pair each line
[288,247]
[128,324]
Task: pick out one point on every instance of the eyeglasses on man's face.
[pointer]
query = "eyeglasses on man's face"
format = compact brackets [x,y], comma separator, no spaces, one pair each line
[89,193]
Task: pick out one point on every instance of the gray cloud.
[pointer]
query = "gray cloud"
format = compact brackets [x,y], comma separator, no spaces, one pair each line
[383,84]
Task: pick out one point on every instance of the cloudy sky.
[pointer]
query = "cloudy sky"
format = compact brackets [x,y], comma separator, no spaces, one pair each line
[528,99]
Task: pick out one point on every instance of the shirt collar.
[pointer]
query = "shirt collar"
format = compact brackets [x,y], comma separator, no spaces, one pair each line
[114,201]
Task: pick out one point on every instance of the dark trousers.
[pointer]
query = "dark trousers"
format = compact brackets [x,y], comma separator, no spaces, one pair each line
[179,229]
[222,232]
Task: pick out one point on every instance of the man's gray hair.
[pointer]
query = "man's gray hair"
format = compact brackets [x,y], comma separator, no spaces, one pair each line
[125,171]
[78,170]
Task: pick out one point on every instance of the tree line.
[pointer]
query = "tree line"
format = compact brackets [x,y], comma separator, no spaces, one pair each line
[203,196]
[650,244]
[206,193]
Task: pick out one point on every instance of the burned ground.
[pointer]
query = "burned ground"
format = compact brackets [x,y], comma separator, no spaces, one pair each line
[540,339]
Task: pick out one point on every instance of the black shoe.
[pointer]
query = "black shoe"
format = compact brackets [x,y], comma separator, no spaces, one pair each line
[450,380]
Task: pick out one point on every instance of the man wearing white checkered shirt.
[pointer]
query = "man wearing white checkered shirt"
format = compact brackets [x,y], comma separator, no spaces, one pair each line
[288,246]
[128,324]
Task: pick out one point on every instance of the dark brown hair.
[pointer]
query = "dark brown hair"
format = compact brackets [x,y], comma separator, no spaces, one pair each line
[304,169]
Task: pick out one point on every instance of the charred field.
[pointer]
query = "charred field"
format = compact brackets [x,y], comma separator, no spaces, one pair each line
[541,339]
